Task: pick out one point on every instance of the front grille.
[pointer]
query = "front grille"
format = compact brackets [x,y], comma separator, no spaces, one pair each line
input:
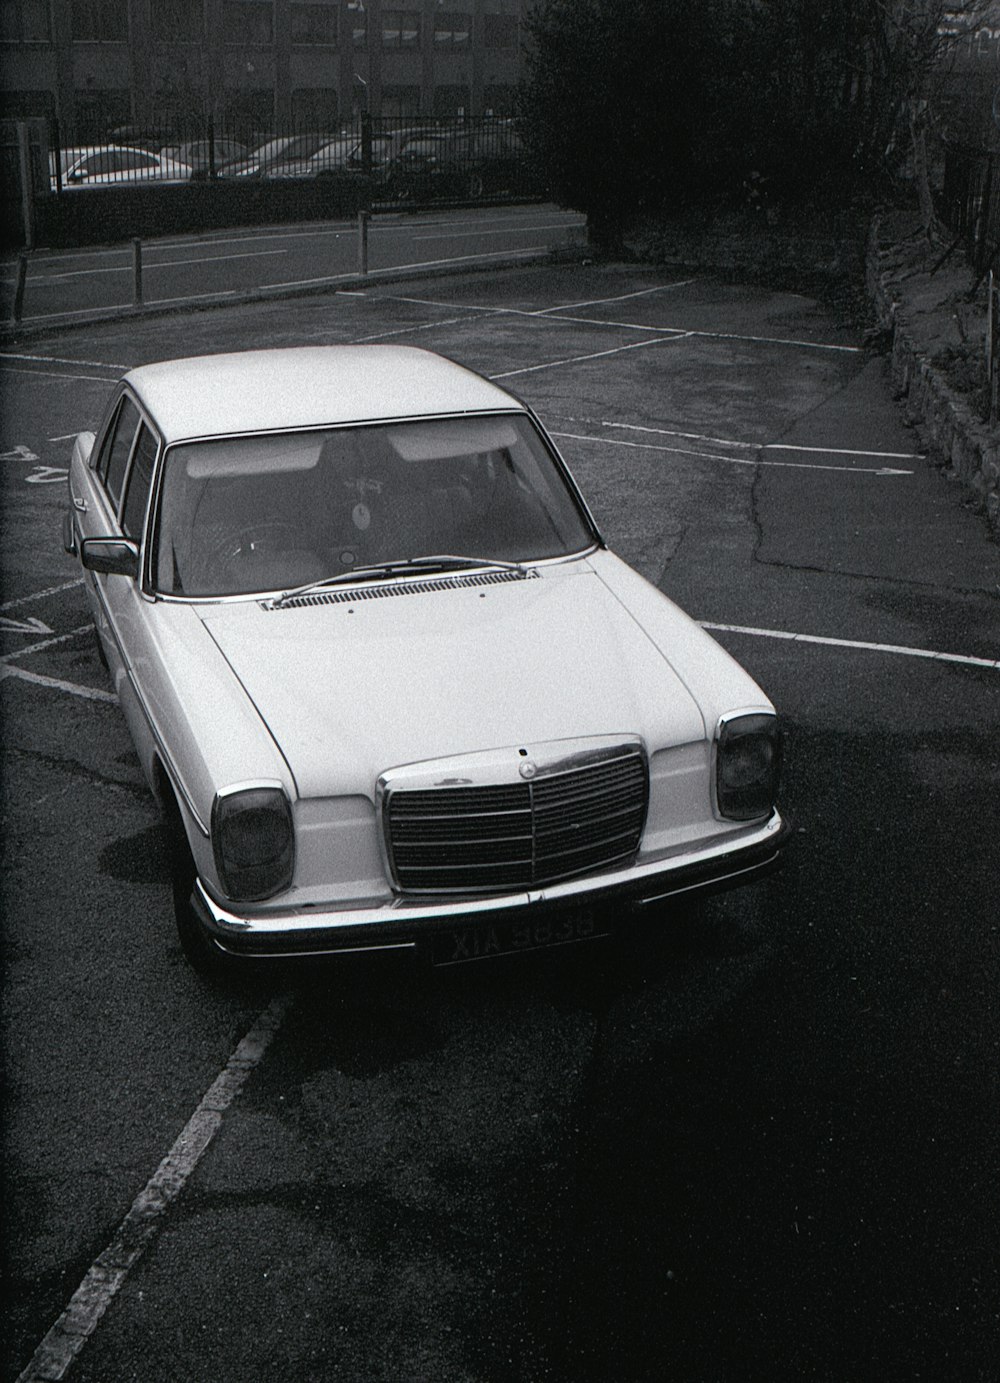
[518,835]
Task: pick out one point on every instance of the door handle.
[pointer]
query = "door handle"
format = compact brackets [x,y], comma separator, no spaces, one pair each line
[80,504]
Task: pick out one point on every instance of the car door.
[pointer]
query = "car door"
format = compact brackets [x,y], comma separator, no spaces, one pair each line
[131,609]
[120,484]
[96,490]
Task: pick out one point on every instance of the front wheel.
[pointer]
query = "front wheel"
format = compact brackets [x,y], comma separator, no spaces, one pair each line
[202,954]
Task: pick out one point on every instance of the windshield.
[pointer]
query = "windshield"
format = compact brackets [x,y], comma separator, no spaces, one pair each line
[264,513]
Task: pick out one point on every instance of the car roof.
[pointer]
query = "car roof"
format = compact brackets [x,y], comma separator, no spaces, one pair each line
[309,386]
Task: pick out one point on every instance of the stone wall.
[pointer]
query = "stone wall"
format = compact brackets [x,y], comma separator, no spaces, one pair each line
[922,308]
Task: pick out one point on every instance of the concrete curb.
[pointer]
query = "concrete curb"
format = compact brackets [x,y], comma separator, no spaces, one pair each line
[959,444]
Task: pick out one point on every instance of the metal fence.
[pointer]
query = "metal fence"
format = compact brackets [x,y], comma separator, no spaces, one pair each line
[969,205]
[426,159]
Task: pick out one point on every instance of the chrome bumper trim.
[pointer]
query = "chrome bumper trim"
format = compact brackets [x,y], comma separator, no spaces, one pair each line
[402,922]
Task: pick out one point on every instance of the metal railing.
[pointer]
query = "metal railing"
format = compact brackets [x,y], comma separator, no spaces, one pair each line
[407,158]
[969,205]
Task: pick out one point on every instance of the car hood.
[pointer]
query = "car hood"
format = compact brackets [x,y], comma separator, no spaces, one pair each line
[412,671]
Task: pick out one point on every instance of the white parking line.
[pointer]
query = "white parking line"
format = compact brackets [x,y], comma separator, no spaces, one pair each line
[408,330]
[41,595]
[513,229]
[544,314]
[57,684]
[621,297]
[582,359]
[399,268]
[61,360]
[57,374]
[147,263]
[765,446]
[727,460]
[102,1282]
[900,649]
[848,451]
[45,643]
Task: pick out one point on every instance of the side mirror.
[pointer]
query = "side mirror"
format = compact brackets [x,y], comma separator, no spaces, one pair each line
[111,556]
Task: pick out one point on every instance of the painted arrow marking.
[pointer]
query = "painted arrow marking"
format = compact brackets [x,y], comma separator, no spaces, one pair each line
[47,475]
[31,625]
[18,454]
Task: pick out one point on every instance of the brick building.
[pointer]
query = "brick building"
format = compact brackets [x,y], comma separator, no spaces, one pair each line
[254,65]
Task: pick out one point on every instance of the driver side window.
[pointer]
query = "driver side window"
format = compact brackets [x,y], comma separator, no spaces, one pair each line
[115,450]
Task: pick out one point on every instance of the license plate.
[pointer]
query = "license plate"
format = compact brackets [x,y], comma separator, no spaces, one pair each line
[511,937]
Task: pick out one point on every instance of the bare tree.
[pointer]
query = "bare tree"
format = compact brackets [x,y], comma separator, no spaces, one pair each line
[915,39]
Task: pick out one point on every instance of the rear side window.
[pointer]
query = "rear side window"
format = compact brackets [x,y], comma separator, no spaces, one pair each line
[116,449]
[139,480]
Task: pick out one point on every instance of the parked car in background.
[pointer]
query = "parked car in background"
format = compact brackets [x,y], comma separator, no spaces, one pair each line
[294,162]
[386,680]
[276,156]
[347,154]
[67,156]
[138,137]
[199,154]
[483,161]
[118,164]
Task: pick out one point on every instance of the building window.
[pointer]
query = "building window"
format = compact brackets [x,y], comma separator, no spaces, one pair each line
[452,100]
[248,115]
[98,112]
[400,29]
[26,105]
[25,21]
[500,30]
[100,21]
[314,108]
[452,32]
[248,21]
[500,100]
[400,101]
[177,21]
[358,20]
[314,24]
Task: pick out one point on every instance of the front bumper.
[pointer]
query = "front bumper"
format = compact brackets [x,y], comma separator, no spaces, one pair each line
[404,924]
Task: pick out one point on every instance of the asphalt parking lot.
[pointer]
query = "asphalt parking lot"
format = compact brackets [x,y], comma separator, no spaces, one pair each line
[763,1147]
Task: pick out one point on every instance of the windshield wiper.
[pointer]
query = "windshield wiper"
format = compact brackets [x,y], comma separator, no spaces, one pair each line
[438,561]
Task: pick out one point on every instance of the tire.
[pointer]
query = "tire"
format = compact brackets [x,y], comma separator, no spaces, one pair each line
[203,956]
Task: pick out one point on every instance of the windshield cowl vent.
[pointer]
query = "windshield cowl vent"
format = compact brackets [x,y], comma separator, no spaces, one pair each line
[382,591]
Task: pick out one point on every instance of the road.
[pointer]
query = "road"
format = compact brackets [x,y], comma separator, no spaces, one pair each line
[760,1145]
[77,285]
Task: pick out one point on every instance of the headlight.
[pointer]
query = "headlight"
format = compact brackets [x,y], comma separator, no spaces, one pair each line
[253,841]
[747,760]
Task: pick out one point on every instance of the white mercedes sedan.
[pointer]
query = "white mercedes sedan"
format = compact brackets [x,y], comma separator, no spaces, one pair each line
[384,677]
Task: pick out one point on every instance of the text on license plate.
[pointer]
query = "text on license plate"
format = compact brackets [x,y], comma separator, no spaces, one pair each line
[509,937]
